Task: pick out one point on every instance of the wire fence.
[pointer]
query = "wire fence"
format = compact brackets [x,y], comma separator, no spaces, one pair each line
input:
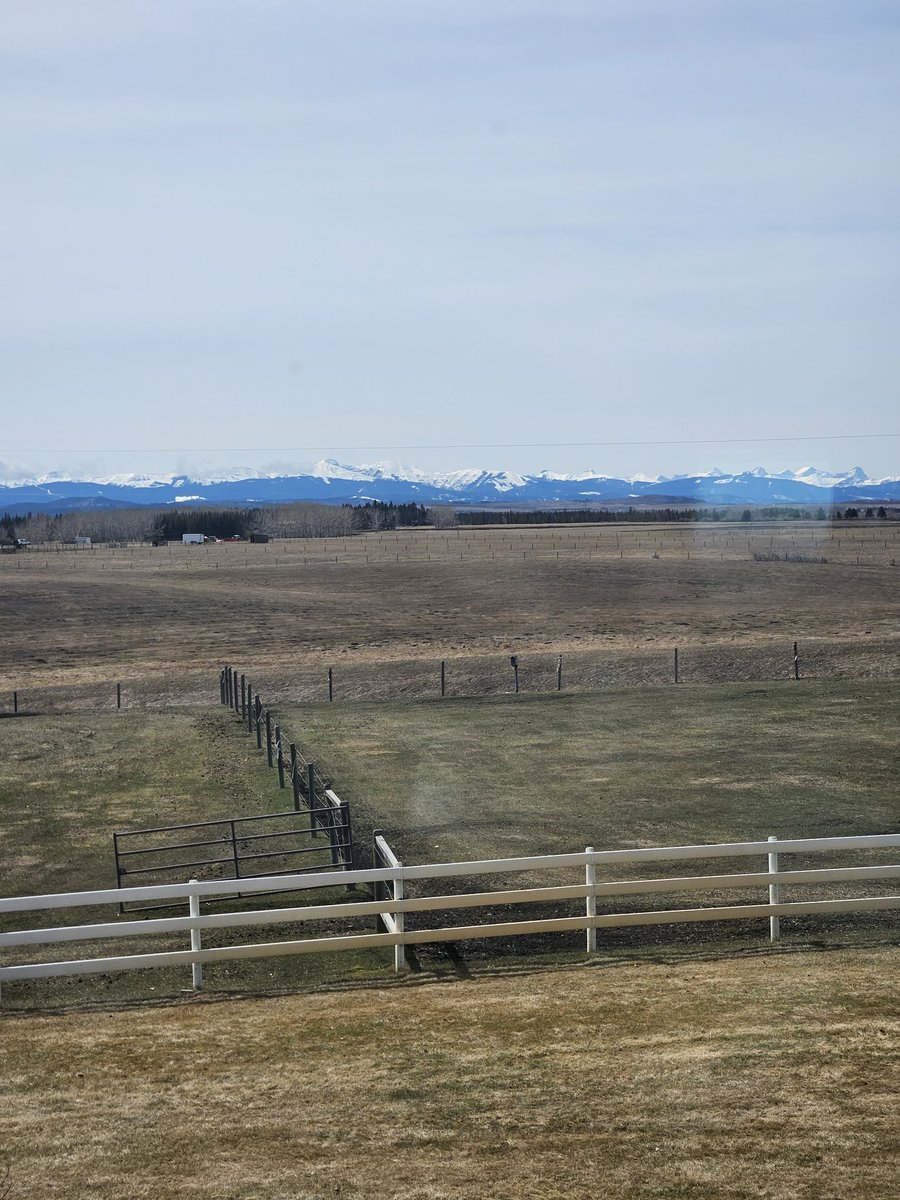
[352,676]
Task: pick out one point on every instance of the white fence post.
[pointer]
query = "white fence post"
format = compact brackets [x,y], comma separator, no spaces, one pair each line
[400,950]
[196,968]
[590,878]
[774,920]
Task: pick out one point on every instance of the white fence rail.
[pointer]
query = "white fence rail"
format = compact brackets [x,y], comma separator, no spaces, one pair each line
[393,910]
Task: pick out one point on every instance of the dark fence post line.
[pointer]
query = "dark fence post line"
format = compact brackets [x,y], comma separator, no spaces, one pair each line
[514,663]
[796,662]
[559,674]
[269,738]
[295,779]
[676,664]
[348,839]
[330,684]
[15,702]
[258,722]
[118,695]
[334,836]
[311,797]
[279,753]
[243,697]
[443,678]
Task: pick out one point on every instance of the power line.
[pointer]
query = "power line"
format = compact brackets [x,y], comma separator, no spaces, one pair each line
[746,441]
[835,437]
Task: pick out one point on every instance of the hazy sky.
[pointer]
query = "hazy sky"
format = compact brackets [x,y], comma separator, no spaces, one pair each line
[361,228]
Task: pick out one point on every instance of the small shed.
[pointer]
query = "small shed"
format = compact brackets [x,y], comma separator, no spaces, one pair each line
[259,537]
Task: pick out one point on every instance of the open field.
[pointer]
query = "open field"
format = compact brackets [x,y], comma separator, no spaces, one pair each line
[770,1076]
[457,779]
[671,1065]
[383,609]
[522,775]
[508,776]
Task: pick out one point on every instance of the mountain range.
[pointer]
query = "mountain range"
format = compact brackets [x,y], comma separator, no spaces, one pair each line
[336,483]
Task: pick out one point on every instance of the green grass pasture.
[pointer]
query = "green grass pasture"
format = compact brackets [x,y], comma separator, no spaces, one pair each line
[457,779]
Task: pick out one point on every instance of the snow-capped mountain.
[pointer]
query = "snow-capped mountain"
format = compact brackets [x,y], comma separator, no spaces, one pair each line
[337,483]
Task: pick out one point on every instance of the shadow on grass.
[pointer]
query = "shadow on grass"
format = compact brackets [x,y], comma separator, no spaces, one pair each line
[452,969]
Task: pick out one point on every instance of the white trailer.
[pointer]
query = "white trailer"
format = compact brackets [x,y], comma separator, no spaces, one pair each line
[192,539]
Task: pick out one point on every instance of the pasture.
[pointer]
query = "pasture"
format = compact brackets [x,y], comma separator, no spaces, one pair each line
[670,1065]
[532,774]
[383,609]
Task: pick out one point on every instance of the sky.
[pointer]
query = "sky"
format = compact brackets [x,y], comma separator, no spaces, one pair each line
[619,235]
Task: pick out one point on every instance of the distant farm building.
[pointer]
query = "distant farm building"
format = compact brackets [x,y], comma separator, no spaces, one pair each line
[192,539]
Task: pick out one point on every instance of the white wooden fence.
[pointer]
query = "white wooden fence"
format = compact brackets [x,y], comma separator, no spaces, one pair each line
[393,910]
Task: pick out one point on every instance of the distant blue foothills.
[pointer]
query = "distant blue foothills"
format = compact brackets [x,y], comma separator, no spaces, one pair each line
[748,488]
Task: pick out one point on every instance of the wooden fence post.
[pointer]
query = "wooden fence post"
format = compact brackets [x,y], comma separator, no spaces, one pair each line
[295,781]
[347,843]
[222,687]
[118,695]
[774,921]
[269,738]
[676,664]
[15,702]
[279,753]
[311,797]
[796,662]
[249,708]
[399,924]
[559,674]
[228,695]
[330,685]
[514,663]
[196,941]
[590,878]
[258,722]
[443,678]
[243,697]
[378,886]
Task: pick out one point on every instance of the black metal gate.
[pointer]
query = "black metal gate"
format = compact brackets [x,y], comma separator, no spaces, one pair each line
[285,843]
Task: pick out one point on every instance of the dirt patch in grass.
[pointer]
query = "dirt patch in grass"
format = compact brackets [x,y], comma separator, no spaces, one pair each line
[769,1076]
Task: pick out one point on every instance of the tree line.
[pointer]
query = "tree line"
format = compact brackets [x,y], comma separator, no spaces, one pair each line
[309,519]
[588,516]
[300,519]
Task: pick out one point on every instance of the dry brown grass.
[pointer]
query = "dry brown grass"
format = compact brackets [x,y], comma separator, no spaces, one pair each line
[384,609]
[766,1076]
